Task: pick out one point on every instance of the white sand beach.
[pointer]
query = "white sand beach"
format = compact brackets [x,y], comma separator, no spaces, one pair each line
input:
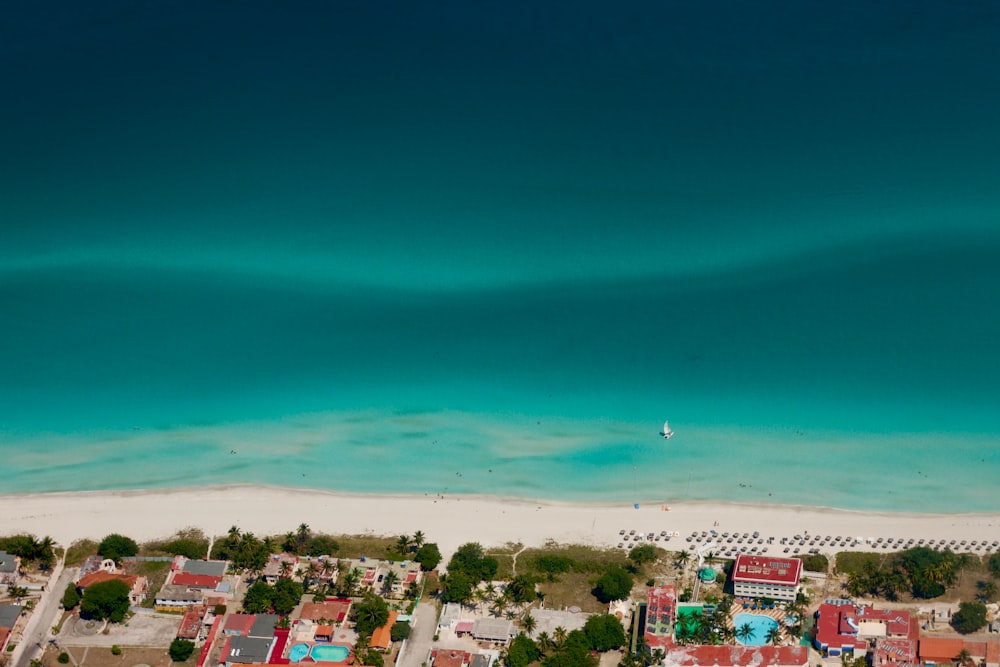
[453,520]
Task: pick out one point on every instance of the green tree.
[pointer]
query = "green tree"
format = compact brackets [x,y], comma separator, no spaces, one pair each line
[745,632]
[400,630]
[573,651]
[470,559]
[987,590]
[682,558]
[644,553]
[106,600]
[456,587]
[429,556]
[970,617]
[529,623]
[614,584]
[116,547]
[285,595]
[181,650]
[418,540]
[258,598]
[604,632]
[63,658]
[521,652]
[964,658]
[773,636]
[521,589]
[993,563]
[388,581]
[71,597]
[370,614]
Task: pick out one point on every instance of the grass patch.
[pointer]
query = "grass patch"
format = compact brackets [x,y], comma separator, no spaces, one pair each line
[100,656]
[189,542]
[849,562]
[156,572]
[79,551]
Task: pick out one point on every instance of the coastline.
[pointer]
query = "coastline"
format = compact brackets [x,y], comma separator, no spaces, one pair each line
[451,520]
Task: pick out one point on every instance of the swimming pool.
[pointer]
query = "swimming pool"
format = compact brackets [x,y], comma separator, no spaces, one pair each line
[761,625]
[329,653]
[319,652]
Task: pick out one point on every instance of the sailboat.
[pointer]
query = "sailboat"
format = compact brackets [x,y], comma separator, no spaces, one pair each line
[667,433]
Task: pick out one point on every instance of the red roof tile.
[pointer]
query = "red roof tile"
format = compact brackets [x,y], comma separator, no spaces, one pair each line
[737,656]
[767,570]
[195,580]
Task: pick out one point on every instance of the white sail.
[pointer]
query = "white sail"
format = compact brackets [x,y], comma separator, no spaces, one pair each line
[666,430]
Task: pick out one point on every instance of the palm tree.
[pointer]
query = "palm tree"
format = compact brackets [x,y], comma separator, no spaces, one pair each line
[303,533]
[559,634]
[682,558]
[289,544]
[403,544]
[964,658]
[987,591]
[388,581]
[311,573]
[745,632]
[773,636]
[285,569]
[528,623]
[418,539]
[544,641]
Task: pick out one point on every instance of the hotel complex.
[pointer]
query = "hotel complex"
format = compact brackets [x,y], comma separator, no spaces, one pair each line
[766,577]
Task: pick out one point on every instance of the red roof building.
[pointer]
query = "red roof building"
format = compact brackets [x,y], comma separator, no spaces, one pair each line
[737,656]
[845,628]
[238,625]
[382,637]
[195,580]
[191,624]
[661,613]
[332,611]
[137,585]
[766,576]
[449,658]
[938,650]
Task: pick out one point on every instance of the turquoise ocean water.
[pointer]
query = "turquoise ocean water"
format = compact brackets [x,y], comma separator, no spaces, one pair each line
[490,247]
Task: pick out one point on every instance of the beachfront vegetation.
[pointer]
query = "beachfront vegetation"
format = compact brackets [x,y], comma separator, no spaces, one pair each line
[993,563]
[190,543]
[615,584]
[921,572]
[116,547]
[644,553]
[30,549]
[521,652]
[563,649]
[467,568]
[814,562]
[429,556]
[106,600]
[604,632]
[970,617]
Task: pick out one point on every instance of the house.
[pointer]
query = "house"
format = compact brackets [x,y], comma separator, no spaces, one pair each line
[333,611]
[382,637]
[451,614]
[372,574]
[766,577]
[9,613]
[178,598]
[8,568]
[238,625]
[661,614]
[497,630]
[944,650]
[324,633]
[203,568]
[191,624]
[737,656]
[449,658]
[246,650]
[138,586]
[277,565]
[263,625]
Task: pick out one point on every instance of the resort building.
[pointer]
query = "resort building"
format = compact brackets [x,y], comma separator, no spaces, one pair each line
[737,656]
[178,598]
[847,629]
[280,565]
[372,574]
[766,577]
[660,616]
[496,630]
[332,611]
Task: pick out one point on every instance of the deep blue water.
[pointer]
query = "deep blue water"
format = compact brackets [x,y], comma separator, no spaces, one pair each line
[488,248]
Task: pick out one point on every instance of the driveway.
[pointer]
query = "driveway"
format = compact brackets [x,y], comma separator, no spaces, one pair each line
[418,646]
[141,630]
[43,617]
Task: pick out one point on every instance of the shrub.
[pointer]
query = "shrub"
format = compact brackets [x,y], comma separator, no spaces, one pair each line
[106,600]
[614,584]
[970,617]
[116,547]
[400,630]
[63,657]
[181,650]
[71,597]
[116,649]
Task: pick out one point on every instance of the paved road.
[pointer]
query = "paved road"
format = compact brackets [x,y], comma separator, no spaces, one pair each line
[43,617]
[422,635]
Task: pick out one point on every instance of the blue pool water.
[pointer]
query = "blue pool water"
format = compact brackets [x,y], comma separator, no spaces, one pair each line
[761,626]
[298,652]
[334,653]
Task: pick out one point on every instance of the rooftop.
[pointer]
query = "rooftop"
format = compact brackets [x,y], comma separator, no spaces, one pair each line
[767,570]
[737,656]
